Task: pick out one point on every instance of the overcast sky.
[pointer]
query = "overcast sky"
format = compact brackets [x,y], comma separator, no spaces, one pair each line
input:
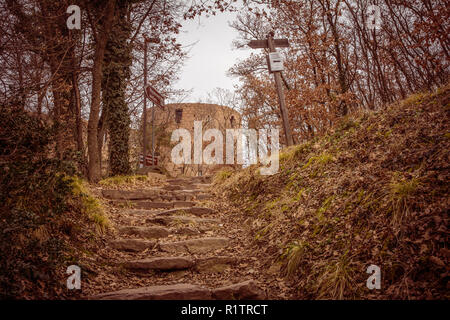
[211,57]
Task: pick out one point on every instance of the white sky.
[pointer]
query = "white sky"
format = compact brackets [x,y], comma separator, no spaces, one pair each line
[211,57]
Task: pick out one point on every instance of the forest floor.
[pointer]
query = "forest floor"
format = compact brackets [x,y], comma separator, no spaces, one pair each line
[373,191]
[176,232]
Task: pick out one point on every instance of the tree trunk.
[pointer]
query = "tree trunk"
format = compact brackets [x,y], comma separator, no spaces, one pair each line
[94,172]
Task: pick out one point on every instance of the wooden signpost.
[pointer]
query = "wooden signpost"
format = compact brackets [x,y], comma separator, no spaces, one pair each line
[146,41]
[271,44]
[158,100]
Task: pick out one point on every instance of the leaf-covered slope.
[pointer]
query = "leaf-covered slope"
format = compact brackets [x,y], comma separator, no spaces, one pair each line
[372,191]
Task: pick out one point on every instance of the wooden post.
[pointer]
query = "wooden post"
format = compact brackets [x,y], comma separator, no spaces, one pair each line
[145,105]
[147,40]
[153,135]
[281,99]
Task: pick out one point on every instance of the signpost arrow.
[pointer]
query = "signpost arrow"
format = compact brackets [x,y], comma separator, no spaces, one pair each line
[154,96]
[261,44]
[146,41]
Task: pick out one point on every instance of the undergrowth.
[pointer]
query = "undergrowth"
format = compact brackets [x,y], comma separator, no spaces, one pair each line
[374,190]
[45,211]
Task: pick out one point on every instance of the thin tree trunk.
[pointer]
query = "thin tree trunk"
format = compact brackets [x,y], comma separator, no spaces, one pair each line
[94,172]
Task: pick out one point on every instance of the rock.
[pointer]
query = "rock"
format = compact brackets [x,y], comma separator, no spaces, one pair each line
[135,245]
[180,219]
[172,187]
[204,197]
[137,211]
[183,204]
[180,291]
[195,245]
[247,290]
[190,187]
[168,197]
[142,204]
[187,231]
[131,195]
[160,263]
[177,181]
[198,211]
[203,186]
[145,232]
[214,264]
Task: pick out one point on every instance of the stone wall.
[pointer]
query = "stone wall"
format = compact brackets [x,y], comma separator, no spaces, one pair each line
[183,115]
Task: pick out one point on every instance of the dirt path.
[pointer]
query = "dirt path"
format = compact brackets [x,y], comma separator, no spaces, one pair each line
[179,242]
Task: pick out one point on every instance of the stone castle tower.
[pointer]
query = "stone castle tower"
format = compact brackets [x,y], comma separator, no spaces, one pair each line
[183,115]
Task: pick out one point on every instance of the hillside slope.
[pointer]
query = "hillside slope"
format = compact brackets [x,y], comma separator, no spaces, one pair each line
[372,191]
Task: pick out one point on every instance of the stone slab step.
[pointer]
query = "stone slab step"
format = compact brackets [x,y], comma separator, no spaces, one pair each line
[160,263]
[247,290]
[194,246]
[131,194]
[134,245]
[204,197]
[144,204]
[154,232]
[189,231]
[177,181]
[198,211]
[214,264]
[203,185]
[202,179]
[181,291]
[151,194]
[172,187]
[168,220]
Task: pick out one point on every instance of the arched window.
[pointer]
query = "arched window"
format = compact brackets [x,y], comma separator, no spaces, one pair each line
[232,121]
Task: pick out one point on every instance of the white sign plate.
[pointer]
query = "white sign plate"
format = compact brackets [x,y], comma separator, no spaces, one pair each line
[276,61]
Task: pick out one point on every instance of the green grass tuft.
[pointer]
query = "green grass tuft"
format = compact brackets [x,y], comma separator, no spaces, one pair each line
[222,175]
[91,206]
[121,180]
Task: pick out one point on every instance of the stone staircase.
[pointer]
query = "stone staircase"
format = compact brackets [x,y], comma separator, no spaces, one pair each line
[172,229]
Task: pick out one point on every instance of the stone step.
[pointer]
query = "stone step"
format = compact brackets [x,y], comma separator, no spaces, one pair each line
[172,187]
[168,220]
[204,197]
[202,179]
[198,211]
[144,204]
[145,232]
[177,181]
[134,245]
[131,194]
[203,185]
[214,264]
[247,290]
[181,291]
[189,231]
[160,263]
[187,186]
[152,194]
[194,246]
